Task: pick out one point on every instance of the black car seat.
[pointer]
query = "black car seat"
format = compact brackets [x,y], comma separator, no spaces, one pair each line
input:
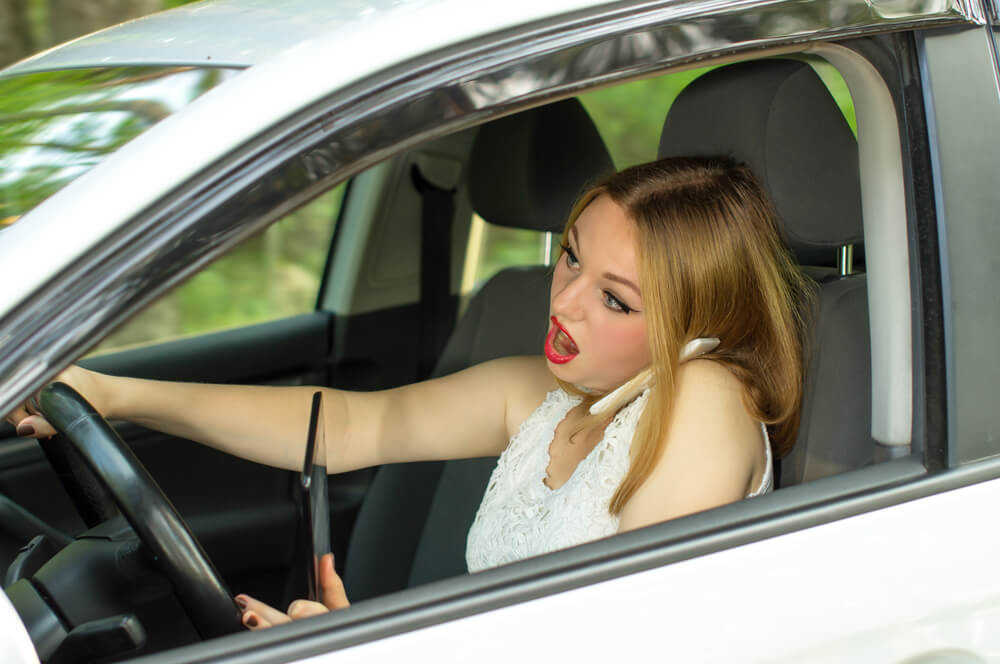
[778,117]
[524,171]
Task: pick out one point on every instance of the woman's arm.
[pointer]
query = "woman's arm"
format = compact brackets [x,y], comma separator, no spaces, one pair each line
[713,451]
[466,414]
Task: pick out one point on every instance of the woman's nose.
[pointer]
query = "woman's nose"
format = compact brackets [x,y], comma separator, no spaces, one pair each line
[566,298]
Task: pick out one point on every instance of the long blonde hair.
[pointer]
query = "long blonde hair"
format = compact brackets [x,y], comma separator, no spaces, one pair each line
[711,264]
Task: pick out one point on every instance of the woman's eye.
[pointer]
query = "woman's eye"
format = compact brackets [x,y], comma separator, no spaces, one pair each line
[613,302]
[571,259]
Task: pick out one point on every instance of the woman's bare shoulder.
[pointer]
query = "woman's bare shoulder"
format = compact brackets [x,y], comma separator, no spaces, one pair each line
[709,394]
[712,453]
[525,380]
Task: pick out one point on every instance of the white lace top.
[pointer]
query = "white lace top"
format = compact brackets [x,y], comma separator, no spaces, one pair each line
[520,516]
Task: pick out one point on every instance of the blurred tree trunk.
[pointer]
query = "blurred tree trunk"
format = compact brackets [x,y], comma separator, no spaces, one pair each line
[72,18]
[16,41]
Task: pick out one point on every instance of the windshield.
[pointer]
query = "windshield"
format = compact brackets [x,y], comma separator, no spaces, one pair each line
[55,126]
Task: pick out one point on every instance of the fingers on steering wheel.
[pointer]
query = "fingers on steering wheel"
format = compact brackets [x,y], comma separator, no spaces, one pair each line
[34,426]
[28,420]
[28,423]
[15,416]
[334,595]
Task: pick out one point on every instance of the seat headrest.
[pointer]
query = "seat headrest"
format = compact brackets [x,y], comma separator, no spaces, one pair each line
[778,117]
[527,170]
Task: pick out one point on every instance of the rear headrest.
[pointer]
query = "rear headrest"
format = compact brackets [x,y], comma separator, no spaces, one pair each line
[527,170]
[778,118]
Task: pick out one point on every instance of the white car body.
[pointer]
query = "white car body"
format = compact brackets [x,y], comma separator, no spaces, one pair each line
[891,563]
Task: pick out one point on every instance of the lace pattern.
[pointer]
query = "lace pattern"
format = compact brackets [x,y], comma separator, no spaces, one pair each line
[520,516]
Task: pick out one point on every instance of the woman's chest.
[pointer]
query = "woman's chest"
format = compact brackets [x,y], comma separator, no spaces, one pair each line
[572,443]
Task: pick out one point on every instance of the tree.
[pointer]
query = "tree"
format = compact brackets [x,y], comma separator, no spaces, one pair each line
[16,40]
[27,26]
[72,18]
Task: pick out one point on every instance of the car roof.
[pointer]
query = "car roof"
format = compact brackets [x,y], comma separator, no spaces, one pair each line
[243,33]
[224,33]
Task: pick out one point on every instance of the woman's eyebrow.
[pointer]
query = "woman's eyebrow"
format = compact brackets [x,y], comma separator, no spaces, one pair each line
[623,281]
[607,275]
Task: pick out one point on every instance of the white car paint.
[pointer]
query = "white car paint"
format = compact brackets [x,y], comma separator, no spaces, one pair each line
[15,644]
[892,584]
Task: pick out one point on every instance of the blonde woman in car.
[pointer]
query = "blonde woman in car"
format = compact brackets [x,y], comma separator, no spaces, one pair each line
[670,375]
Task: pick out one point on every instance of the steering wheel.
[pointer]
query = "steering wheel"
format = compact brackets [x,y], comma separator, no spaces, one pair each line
[197,583]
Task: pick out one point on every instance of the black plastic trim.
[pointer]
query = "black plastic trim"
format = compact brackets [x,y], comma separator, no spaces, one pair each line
[222,356]
[930,385]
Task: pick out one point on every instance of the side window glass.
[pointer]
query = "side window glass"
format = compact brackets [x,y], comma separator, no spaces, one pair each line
[630,117]
[275,274]
[492,248]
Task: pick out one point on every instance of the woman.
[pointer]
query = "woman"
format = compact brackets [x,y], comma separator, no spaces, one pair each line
[679,257]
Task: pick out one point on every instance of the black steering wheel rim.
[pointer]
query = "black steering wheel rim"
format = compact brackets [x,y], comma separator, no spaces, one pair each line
[197,583]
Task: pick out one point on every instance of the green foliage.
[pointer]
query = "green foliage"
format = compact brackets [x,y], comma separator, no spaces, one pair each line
[630,116]
[54,126]
[273,275]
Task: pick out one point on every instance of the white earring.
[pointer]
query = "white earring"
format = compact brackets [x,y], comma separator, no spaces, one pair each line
[639,383]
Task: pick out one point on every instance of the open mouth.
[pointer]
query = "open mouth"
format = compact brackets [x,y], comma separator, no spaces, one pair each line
[559,345]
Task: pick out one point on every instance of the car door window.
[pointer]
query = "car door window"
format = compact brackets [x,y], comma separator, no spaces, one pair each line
[275,274]
[630,116]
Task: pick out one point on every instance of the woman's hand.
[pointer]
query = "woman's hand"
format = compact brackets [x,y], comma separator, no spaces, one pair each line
[258,615]
[30,423]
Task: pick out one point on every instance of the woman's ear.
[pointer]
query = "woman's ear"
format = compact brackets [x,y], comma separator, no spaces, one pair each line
[643,380]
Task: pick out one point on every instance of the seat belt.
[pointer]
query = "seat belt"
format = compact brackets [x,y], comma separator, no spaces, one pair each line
[436,179]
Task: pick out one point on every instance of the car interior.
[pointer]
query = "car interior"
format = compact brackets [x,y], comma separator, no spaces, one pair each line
[735,110]
[393,318]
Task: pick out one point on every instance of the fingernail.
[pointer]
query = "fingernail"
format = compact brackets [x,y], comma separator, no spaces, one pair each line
[241,601]
[25,430]
[250,620]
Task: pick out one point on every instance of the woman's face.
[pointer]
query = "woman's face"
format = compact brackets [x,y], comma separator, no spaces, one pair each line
[597,330]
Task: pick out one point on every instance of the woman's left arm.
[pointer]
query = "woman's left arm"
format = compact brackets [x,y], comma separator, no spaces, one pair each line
[711,455]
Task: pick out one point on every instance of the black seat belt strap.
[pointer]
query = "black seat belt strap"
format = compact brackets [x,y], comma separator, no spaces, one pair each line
[437,311]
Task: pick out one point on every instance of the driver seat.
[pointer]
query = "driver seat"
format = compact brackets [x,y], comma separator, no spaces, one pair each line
[778,117]
[524,171]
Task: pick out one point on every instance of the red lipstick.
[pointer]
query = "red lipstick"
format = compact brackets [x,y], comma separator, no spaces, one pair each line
[568,344]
